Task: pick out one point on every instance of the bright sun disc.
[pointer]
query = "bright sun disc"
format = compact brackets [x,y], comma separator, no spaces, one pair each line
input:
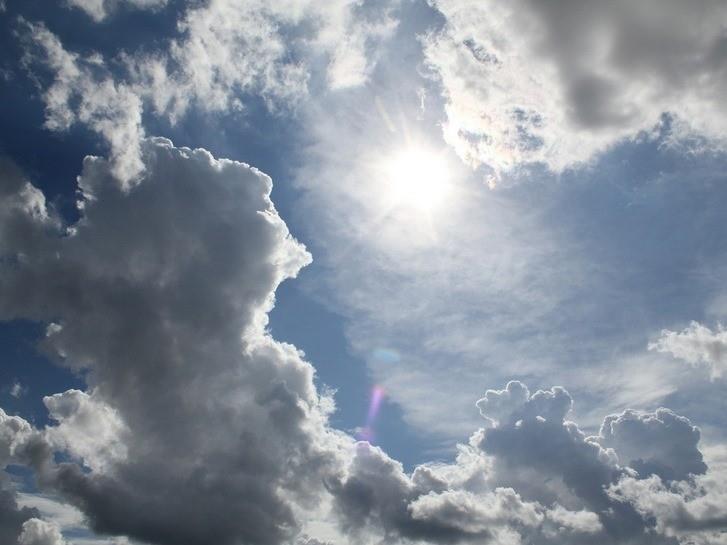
[418,178]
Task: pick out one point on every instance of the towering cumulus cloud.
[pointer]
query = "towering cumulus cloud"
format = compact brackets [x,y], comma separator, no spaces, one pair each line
[197,427]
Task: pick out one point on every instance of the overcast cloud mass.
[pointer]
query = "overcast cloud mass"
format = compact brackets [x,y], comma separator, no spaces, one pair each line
[376,272]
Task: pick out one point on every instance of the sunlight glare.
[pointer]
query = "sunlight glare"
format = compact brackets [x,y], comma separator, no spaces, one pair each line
[418,178]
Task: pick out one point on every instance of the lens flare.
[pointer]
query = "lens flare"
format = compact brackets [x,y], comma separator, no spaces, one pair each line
[377,397]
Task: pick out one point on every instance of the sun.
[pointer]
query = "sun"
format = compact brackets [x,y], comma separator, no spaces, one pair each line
[417,178]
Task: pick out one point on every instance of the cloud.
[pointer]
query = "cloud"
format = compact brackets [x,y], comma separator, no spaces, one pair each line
[197,425]
[17,390]
[580,522]
[377,498]
[39,532]
[660,443]
[530,477]
[224,53]
[87,428]
[697,345]
[488,516]
[515,403]
[14,431]
[52,509]
[692,512]
[84,91]
[487,269]
[558,82]
[12,517]
[550,460]
[99,10]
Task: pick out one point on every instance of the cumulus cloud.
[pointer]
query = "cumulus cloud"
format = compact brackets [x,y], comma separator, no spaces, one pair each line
[14,431]
[550,460]
[529,477]
[38,532]
[377,498]
[225,51]
[12,517]
[477,515]
[197,426]
[87,428]
[99,10]
[697,345]
[692,512]
[557,82]
[660,443]
[579,522]
[515,403]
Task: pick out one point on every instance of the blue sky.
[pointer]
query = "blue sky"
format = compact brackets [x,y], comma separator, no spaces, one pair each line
[228,226]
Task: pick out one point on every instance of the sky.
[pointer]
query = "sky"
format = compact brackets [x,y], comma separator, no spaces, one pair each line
[370,272]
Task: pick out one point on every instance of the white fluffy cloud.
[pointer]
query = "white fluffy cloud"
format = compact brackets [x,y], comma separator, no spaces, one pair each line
[38,532]
[225,51]
[83,91]
[692,512]
[697,345]
[556,82]
[87,428]
[13,432]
